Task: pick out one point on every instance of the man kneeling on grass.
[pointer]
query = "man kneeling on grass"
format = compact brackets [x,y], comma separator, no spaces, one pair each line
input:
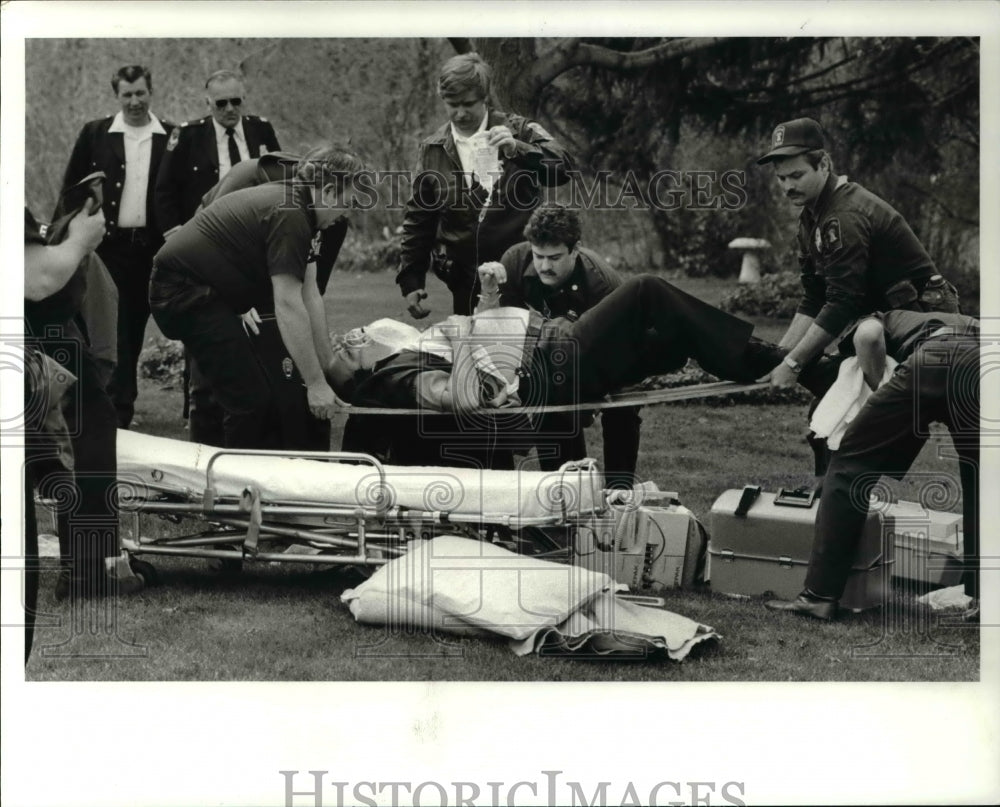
[502,357]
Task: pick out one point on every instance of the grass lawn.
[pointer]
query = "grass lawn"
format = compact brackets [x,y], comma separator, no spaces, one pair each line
[286,623]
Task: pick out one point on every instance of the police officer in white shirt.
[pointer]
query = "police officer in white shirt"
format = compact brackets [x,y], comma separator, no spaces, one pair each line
[128,148]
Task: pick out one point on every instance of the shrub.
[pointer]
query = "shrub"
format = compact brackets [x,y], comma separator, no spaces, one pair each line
[693,374]
[360,255]
[163,361]
[776,296]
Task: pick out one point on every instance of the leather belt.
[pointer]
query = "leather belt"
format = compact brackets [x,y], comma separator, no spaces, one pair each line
[132,235]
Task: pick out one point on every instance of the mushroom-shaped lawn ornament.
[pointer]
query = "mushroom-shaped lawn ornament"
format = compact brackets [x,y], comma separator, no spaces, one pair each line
[751,249]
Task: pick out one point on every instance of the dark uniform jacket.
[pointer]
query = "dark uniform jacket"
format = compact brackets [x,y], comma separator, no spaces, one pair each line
[852,251]
[97,149]
[190,166]
[590,281]
[443,211]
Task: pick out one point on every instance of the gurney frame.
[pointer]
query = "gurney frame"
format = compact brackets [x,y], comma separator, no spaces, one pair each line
[249,528]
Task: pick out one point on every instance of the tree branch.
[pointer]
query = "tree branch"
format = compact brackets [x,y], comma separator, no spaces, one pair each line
[947,210]
[822,72]
[461,44]
[574,53]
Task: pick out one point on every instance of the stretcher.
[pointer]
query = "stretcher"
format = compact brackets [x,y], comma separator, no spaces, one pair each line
[334,508]
[637,397]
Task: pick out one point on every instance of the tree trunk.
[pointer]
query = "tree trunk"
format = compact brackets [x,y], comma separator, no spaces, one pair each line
[515,83]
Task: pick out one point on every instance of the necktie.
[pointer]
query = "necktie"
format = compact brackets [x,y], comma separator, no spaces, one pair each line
[234,152]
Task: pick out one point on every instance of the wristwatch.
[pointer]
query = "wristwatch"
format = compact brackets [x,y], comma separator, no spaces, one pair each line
[792,365]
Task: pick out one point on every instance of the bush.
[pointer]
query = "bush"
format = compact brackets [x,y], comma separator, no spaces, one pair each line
[692,374]
[359,255]
[776,296]
[163,361]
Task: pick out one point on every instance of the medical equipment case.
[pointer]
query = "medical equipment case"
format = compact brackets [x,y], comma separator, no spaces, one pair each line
[760,544]
[927,544]
[648,547]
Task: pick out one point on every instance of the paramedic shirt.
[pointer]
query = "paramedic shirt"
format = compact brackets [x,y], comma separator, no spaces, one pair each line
[906,330]
[241,240]
[853,248]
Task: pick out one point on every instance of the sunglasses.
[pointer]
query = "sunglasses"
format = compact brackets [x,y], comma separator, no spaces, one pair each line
[222,103]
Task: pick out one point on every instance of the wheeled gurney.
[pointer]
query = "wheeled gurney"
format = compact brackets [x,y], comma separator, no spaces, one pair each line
[335,508]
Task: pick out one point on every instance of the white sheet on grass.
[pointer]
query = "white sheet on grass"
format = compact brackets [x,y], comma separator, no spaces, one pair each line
[456,585]
[496,495]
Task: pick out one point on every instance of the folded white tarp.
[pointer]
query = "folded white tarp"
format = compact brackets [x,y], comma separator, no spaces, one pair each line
[495,495]
[455,585]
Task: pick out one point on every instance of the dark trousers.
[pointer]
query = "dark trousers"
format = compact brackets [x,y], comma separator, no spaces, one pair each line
[464,288]
[214,335]
[290,424]
[205,415]
[129,261]
[622,430]
[647,327]
[86,502]
[437,439]
[938,382]
[561,439]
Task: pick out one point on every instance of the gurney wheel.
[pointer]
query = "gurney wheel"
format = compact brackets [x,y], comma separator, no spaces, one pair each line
[146,571]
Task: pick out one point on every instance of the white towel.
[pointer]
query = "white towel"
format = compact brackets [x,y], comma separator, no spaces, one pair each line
[844,400]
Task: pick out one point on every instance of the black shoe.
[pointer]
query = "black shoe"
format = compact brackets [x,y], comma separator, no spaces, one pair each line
[820,374]
[819,609]
[760,358]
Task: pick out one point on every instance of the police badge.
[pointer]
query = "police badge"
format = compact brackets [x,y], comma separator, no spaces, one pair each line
[287,367]
[831,235]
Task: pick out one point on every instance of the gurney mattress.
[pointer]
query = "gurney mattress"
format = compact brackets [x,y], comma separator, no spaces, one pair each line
[178,466]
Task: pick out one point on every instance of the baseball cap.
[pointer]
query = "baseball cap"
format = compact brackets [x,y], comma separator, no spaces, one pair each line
[794,137]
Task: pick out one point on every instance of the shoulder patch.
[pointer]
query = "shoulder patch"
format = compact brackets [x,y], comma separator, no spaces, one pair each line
[539,131]
[832,240]
[175,135]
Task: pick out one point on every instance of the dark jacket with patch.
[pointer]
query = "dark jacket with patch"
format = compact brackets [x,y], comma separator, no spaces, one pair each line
[443,211]
[852,249]
[190,166]
[97,149]
[590,282]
